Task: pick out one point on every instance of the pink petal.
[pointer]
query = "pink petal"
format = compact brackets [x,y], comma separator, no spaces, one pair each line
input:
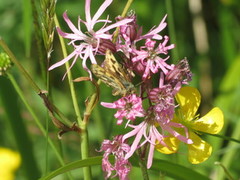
[155,31]
[177,135]
[71,35]
[117,24]
[63,61]
[150,154]
[71,25]
[87,13]
[135,142]
[108,105]
[100,11]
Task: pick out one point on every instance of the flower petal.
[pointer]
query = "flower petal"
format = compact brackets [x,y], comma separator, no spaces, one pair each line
[172,145]
[189,100]
[100,11]
[199,151]
[87,13]
[63,61]
[71,25]
[117,24]
[211,123]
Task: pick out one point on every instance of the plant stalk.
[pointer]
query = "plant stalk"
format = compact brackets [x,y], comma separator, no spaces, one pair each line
[82,123]
[142,164]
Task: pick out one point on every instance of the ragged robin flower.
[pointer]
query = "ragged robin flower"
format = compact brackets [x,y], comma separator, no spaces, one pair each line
[87,45]
[149,56]
[129,107]
[118,148]
[199,151]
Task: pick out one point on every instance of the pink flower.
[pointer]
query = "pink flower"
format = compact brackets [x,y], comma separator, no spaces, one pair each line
[118,148]
[164,103]
[129,107]
[132,33]
[163,98]
[87,45]
[148,55]
[153,131]
[146,60]
[164,108]
[145,130]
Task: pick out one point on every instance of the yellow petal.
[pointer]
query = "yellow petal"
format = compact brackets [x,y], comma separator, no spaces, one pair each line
[189,100]
[9,159]
[199,151]
[172,144]
[211,123]
[9,162]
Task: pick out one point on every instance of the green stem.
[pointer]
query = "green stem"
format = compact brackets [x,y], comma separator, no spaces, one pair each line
[37,121]
[171,28]
[229,176]
[127,6]
[85,154]
[82,123]
[224,137]
[31,82]
[69,75]
[20,67]
[142,164]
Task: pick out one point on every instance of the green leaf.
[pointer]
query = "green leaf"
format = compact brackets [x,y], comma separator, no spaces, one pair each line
[171,169]
[176,171]
[74,165]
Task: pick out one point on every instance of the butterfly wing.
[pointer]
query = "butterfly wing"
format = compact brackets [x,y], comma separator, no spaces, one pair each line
[114,75]
[112,64]
[109,79]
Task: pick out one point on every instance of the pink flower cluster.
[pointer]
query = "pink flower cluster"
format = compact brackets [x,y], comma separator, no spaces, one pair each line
[118,148]
[147,125]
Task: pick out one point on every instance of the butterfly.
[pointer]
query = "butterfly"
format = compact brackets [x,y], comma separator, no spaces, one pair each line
[113,74]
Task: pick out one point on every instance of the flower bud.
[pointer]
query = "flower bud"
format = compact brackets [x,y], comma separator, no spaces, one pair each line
[5,63]
[130,30]
[106,44]
[181,73]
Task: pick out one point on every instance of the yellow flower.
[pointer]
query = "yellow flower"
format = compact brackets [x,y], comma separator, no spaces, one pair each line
[9,162]
[189,99]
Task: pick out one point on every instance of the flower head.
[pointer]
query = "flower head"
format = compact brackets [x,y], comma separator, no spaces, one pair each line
[151,131]
[145,132]
[87,45]
[189,101]
[118,148]
[130,32]
[148,55]
[146,59]
[164,102]
[129,107]
[163,98]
